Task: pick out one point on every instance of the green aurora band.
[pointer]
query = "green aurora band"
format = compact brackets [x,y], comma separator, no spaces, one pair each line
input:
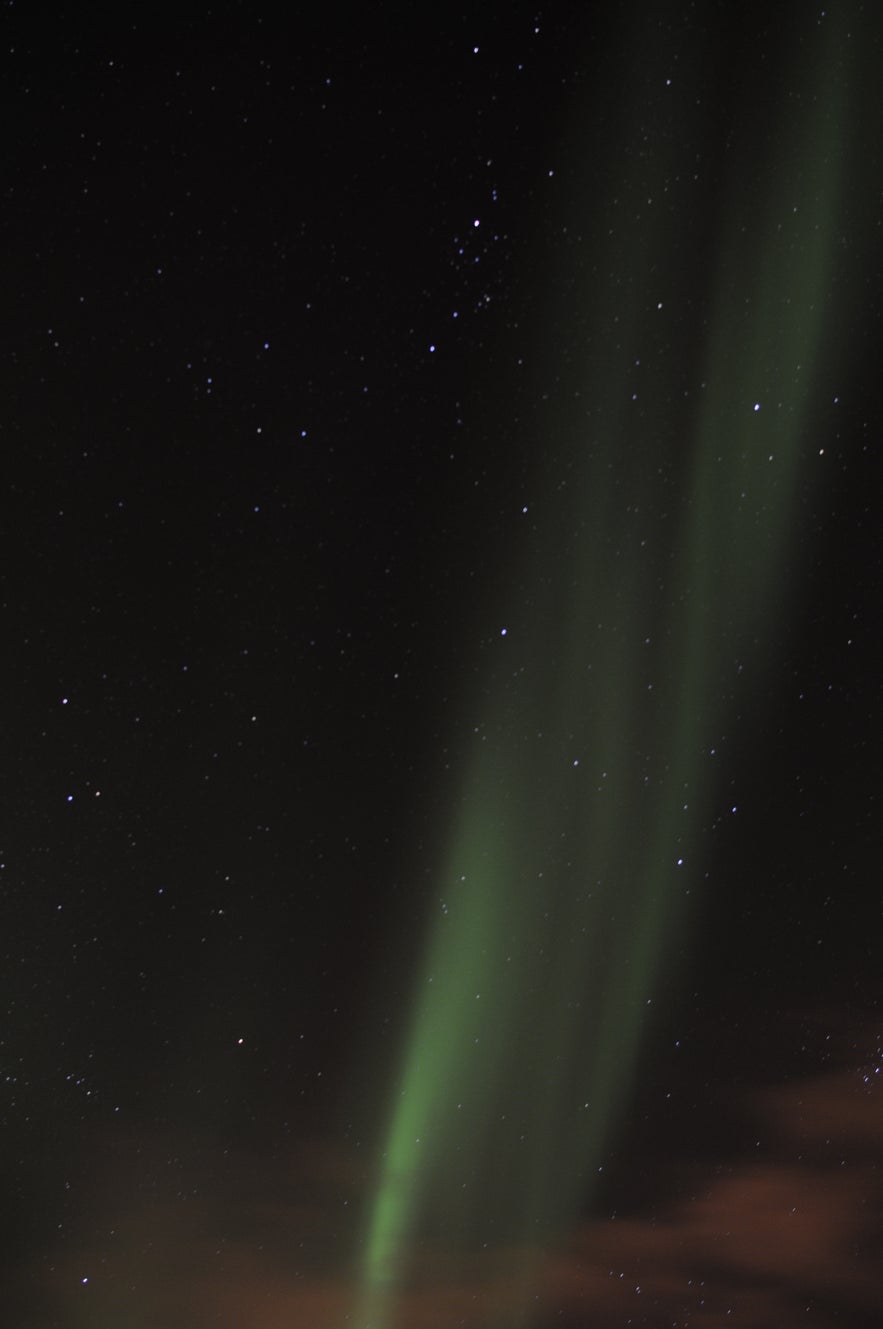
[632,628]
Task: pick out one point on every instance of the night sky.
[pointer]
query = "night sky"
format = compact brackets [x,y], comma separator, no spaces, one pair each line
[440,582]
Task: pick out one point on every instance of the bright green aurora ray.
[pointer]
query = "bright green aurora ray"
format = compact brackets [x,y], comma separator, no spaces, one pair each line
[640,611]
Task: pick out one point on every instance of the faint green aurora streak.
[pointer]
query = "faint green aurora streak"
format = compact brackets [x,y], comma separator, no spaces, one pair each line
[562,888]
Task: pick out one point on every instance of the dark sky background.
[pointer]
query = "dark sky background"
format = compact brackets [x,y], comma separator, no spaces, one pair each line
[378,395]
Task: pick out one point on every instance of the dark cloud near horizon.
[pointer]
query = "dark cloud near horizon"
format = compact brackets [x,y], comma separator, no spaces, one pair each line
[184,1232]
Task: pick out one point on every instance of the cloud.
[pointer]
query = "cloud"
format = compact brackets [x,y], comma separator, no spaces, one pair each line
[791,1238]
[231,1239]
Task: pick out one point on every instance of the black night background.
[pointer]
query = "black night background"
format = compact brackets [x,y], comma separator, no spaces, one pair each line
[440,586]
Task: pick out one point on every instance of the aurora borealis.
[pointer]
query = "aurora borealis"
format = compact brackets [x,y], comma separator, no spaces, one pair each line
[576,841]
[440,844]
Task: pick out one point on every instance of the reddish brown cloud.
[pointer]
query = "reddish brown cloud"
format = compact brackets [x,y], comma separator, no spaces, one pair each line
[789,1239]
